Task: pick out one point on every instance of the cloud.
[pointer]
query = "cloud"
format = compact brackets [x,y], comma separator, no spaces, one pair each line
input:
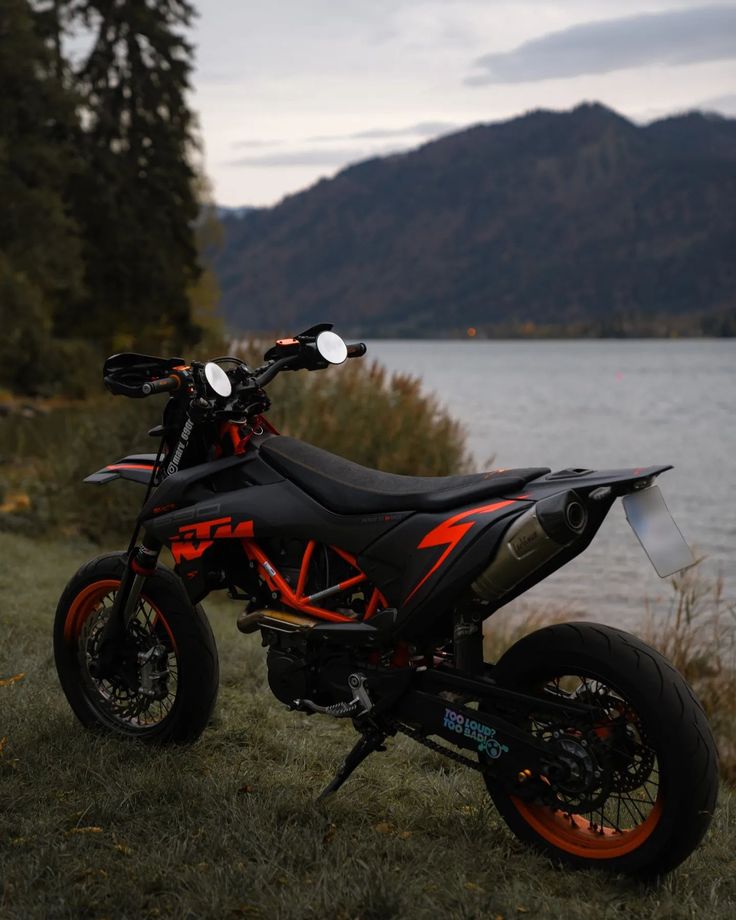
[311,157]
[256,144]
[726,105]
[337,156]
[421,129]
[673,37]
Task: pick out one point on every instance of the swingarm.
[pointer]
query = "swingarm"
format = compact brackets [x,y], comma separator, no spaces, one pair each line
[507,749]
[432,703]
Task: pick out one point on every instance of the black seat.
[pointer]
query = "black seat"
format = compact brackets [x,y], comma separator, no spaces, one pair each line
[349,488]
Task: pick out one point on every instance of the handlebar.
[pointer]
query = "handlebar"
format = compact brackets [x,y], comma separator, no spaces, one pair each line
[265,374]
[164,385]
[137,376]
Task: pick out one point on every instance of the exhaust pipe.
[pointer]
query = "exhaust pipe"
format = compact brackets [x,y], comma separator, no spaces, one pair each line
[533,539]
[280,620]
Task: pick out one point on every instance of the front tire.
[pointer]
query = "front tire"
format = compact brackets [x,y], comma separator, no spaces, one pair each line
[166,683]
[643,780]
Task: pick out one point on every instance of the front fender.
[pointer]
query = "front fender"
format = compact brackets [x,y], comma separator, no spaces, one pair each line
[136,468]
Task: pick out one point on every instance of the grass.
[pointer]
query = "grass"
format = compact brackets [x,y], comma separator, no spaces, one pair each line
[95,828]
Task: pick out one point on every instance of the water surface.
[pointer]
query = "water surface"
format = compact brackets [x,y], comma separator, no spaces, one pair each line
[602,405]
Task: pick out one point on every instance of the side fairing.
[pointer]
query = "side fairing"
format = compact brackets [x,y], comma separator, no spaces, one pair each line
[278,509]
[418,561]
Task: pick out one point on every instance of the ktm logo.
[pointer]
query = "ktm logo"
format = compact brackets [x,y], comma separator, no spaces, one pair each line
[193,539]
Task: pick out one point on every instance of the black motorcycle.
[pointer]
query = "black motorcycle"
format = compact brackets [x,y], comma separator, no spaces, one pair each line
[370,591]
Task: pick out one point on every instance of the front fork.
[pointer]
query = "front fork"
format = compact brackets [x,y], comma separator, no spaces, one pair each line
[141,565]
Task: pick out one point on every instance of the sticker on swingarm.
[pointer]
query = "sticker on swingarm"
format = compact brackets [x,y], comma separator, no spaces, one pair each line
[657,531]
[470,728]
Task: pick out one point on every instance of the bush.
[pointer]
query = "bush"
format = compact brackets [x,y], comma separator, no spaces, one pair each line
[699,637]
[47,456]
[358,411]
[381,420]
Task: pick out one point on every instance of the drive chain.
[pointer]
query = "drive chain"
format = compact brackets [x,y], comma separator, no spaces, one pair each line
[440,748]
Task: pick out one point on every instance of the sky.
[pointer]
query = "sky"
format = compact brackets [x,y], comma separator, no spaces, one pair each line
[289,91]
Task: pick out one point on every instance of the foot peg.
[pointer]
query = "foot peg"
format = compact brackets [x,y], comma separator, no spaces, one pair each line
[366,744]
[358,706]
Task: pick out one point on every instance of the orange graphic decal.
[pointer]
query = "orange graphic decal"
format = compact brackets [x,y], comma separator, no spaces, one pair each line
[187,551]
[193,539]
[449,533]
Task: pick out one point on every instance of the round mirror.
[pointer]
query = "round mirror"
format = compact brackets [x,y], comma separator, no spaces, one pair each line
[218,379]
[331,347]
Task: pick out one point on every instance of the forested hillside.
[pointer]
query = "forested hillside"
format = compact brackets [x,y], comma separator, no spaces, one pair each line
[578,222]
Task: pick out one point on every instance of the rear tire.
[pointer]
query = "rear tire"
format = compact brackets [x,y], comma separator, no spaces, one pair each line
[654,751]
[167,700]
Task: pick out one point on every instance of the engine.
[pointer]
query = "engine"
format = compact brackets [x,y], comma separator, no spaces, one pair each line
[297,671]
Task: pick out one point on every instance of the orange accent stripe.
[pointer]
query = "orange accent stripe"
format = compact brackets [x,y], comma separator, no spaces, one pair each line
[129,466]
[448,534]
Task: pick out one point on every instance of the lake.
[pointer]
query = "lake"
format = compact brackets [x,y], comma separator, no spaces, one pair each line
[601,404]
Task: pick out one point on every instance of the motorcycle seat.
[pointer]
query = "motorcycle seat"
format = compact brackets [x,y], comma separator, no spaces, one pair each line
[348,488]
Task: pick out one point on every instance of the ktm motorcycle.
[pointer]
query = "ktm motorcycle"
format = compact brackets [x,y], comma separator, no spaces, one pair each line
[370,591]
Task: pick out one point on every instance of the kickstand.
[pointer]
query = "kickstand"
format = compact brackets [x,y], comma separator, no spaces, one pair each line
[366,744]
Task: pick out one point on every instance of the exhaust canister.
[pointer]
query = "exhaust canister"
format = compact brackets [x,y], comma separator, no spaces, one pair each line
[533,539]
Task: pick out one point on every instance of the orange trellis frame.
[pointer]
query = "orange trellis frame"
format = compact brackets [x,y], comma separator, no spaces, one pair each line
[297,599]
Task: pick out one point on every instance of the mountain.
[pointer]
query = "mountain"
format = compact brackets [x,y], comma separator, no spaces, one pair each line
[577,222]
[225,213]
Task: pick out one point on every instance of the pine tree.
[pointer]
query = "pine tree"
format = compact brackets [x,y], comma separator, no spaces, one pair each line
[40,262]
[136,200]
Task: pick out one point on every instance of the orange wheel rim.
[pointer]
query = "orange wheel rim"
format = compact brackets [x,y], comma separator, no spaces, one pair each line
[87,601]
[84,603]
[575,835]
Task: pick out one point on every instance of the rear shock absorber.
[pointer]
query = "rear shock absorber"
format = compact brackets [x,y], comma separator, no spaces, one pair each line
[467,641]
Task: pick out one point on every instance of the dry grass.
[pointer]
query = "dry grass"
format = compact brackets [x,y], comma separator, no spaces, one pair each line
[698,635]
[361,411]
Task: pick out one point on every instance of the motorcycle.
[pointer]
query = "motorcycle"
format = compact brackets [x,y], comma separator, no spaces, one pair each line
[370,591]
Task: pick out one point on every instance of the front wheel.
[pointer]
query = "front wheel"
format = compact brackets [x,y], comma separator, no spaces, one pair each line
[166,676]
[634,788]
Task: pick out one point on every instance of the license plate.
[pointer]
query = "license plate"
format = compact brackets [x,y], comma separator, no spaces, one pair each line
[657,531]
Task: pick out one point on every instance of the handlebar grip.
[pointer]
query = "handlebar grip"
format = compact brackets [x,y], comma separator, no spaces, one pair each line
[357,350]
[164,385]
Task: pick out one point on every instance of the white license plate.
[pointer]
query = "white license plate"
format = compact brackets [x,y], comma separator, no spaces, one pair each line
[657,531]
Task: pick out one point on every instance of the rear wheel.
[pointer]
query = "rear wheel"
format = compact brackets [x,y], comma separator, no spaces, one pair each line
[166,676]
[634,789]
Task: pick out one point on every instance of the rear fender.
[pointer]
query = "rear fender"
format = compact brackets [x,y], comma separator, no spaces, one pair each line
[620,482]
[136,468]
